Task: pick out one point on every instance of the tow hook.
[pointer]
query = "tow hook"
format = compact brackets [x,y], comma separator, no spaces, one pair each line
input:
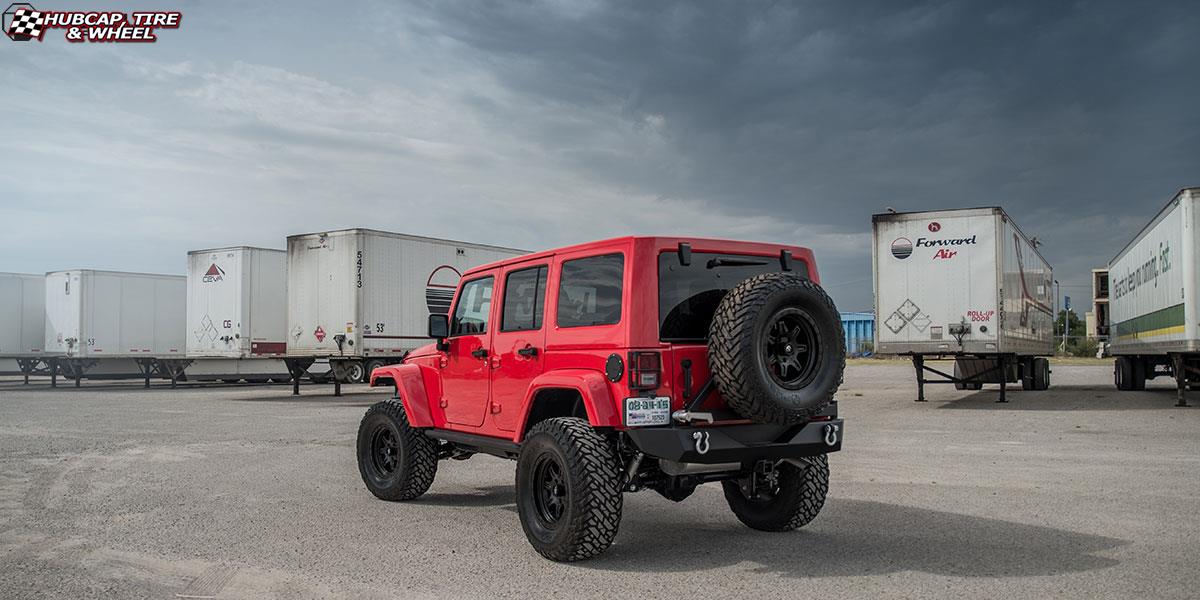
[701,438]
[831,434]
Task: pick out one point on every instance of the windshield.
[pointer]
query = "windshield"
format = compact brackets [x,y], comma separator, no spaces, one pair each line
[688,296]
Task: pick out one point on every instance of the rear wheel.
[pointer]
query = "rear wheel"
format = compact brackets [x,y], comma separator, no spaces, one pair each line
[787,498]
[1041,373]
[1129,373]
[351,371]
[370,368]
[1122,373]
[568,490]
[1139,374]
[396,461]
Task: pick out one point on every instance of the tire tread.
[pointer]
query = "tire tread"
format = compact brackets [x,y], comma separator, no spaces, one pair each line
[729,359]
[594,471]
[419,452]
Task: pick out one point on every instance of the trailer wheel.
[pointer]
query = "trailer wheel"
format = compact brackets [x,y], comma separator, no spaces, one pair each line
[1123,373]
[776,348]
[1139,374]
[371,366]
[1041,373]
[350,371]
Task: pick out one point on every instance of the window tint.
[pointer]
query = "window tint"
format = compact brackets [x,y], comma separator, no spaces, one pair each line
[474,304]
[589,292]
[688,296]
[524,299]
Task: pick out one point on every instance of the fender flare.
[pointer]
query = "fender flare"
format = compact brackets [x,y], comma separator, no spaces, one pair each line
[592,387]
[410,383]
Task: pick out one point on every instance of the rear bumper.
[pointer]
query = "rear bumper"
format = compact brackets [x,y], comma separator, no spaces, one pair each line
[738,443]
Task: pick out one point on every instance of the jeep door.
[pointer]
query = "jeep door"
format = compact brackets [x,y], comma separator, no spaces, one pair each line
[518,343]
[466,372]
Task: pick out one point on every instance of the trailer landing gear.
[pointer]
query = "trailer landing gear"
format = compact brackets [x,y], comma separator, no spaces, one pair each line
[1187,373]
[971,371]
[297,368]
[30,366]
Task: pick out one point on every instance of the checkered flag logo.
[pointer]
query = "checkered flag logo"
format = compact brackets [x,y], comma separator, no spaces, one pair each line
[26,24]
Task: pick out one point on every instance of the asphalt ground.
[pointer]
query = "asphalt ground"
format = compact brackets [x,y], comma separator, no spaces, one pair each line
[112,491]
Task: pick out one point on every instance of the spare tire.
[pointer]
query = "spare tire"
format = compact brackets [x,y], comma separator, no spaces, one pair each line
[776,348]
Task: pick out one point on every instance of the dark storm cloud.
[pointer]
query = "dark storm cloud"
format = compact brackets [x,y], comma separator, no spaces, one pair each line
[829,111]
[535,124]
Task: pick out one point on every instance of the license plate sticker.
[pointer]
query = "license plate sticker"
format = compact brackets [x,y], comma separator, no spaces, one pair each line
[642,412]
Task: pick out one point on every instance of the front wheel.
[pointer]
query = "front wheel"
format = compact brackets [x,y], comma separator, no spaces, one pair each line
[396,461]
[568,490]
[787,498]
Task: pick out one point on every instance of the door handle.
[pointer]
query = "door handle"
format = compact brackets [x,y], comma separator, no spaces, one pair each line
[528,351]
[479,353]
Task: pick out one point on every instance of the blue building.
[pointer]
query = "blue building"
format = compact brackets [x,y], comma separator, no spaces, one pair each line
[860,332]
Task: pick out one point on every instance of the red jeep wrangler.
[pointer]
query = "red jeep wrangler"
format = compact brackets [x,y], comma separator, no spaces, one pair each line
[621,365]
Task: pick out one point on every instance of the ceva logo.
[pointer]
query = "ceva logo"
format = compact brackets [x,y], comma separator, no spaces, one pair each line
[214,274]
[902,248]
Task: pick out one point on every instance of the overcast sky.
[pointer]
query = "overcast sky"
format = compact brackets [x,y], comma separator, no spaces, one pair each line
[539,124]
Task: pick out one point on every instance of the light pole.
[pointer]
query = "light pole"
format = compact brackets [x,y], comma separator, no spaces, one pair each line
[1057,291]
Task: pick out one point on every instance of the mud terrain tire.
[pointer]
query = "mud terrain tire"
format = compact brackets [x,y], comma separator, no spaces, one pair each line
[396,461]
[776,348]
[795,501]
[568,490]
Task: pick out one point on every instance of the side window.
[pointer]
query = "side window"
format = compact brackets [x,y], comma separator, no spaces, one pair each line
[474,305]
[524,299]
[589,291]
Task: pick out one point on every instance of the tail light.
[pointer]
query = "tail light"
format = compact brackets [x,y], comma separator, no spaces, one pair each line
[645,370]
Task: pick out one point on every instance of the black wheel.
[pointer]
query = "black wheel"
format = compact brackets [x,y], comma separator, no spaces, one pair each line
[1041,373]
[776,348]
[397,462]
[788,498]
[568,490]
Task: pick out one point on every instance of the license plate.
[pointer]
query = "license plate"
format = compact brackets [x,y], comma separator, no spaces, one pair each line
[640,412]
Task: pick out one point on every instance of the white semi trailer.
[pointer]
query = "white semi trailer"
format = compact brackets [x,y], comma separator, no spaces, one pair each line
[236,314]
[967,285]
[22,323]
[361,298]
[1154,313]
[113,324]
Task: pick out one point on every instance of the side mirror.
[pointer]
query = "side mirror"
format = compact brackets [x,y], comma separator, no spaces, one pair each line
[439,327]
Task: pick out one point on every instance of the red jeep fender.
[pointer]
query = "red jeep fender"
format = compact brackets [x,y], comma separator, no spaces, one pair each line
[413,384]
[592,387]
